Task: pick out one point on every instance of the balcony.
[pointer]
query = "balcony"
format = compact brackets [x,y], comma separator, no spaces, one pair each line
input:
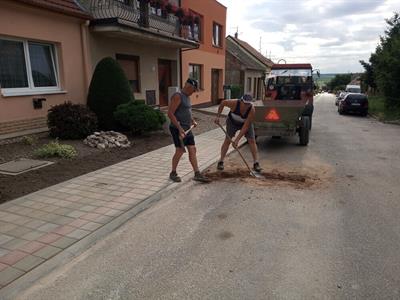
[130,17]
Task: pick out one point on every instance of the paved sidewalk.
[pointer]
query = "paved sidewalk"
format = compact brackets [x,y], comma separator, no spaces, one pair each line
[37,228]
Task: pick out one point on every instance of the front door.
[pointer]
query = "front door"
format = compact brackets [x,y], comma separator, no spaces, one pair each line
[164,80]
[215,86]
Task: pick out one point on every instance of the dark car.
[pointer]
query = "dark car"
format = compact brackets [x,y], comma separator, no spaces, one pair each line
[354,103]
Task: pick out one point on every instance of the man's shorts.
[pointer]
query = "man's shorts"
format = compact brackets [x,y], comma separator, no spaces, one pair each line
[231,129]
[188,140]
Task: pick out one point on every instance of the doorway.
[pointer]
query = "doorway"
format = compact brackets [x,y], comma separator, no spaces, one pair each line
[164,80]
[215,81]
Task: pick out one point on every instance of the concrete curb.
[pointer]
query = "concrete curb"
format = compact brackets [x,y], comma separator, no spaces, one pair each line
[30,278]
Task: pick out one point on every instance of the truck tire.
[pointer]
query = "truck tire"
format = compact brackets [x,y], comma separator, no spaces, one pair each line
[304,132]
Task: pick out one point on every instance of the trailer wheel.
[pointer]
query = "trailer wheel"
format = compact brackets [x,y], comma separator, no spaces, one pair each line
[304,132]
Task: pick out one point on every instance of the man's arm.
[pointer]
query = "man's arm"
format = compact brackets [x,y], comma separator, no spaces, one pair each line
[173,105]
[246,126]
[228,103]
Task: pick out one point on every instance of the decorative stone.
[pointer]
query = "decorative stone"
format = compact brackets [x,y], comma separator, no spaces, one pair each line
[107,139]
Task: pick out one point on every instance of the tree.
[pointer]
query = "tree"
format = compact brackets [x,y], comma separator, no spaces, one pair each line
[368,78]
[108,89]
[384,64]
[339,82]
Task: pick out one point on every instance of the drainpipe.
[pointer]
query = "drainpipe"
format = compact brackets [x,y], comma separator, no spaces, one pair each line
[85,53]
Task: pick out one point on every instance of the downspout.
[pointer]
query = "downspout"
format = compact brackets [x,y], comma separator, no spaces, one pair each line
[85,53]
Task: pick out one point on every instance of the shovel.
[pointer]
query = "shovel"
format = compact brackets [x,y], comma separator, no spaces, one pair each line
[181,139]
[252,173]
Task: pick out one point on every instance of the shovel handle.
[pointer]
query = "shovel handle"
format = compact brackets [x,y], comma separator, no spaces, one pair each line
[237,149]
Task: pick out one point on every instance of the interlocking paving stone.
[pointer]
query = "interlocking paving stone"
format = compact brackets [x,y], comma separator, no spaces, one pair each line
[14,244]
[78,234]
[12,257]
[28,263]
[3,266]
[19,231]
[35,224]
[49,238]
[63,220]
[78,223]
[3,252]
[31,236]
[9,274]
[32,246]
[64,242]
[47,252]
[48,227]
[5,238]
[76,214]
[91,226]
[63,230]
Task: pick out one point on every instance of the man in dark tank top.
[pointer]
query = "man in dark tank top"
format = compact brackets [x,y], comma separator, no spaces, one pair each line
[240,120]
[180,114]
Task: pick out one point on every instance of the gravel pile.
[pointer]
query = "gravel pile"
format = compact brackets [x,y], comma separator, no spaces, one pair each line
[107,139]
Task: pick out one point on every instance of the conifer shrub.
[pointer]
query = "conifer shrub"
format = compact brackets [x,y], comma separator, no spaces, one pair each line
[108,89]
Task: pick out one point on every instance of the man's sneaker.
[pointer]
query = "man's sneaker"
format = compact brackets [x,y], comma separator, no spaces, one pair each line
[220,165]
[174,177]
[257,167]
[201,178]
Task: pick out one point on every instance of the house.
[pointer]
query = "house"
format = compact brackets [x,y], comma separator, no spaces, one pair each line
[145,38]
[246,68]
[50,48]
[207,62]
[42,61]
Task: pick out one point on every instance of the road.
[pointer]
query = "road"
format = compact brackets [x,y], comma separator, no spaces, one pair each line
[335,236]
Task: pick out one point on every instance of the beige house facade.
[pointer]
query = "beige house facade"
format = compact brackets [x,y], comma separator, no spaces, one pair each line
[39,67]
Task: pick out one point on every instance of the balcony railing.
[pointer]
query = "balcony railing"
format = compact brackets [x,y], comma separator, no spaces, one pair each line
[131,13]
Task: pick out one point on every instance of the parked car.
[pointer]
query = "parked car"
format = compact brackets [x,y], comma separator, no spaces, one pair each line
[354,103]
[340,97]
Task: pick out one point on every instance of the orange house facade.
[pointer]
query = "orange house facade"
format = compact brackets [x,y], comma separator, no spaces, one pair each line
[207,63]
[43,61]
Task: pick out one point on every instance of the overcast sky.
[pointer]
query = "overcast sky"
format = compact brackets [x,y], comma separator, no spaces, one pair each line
[331,34]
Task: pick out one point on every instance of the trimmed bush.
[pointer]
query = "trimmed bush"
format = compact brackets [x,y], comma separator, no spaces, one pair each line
[139,117]
[108,89]
[55,149]
[71,121]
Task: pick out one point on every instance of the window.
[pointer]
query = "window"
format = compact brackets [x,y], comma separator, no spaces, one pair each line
[195,73]
[248,84]
[217,35]
[130,65]
[27,66]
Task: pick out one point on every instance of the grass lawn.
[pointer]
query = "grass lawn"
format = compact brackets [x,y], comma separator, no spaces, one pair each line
[377,108]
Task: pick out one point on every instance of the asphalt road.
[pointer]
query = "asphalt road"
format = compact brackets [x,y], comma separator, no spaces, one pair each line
[335,236]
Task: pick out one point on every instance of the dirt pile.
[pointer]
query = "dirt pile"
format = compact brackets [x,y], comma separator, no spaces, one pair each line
[272,177]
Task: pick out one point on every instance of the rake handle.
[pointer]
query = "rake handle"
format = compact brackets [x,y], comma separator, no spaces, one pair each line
[237,149]
[181,139]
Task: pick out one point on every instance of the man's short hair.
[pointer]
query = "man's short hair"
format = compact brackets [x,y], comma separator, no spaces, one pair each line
[194,83]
